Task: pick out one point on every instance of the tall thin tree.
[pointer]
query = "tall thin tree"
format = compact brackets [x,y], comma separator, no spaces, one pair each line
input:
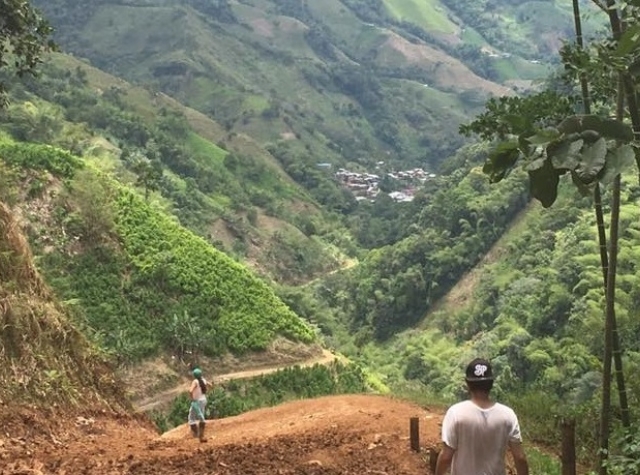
[605,415]
[602,239]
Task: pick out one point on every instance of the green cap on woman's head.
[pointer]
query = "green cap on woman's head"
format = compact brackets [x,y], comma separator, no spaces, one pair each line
[197,373]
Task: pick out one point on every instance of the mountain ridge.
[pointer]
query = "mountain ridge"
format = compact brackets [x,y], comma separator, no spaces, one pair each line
[244,71]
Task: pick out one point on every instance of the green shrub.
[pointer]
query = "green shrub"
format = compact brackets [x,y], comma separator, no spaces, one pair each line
[238,310]
[40,157]
[159,286]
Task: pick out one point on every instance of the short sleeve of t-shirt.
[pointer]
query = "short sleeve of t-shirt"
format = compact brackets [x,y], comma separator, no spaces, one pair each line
[514,433]
[449,429]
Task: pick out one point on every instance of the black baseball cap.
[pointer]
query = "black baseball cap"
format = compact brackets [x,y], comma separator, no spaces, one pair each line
[479,370]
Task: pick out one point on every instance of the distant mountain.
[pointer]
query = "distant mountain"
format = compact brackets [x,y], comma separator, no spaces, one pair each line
[348,82]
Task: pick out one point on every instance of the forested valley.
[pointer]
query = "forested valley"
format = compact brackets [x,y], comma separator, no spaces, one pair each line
[180,193]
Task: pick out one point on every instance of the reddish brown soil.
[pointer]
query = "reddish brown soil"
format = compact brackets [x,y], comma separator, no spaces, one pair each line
[331,435]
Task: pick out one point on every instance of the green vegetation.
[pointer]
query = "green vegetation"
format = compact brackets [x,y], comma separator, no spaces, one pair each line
[142,281]
[337,81]
[236,397]
[65,370]
[421,250]
[530,29]
[24,35]
[130,224]
[39,157]
[239,307]
[428,14]
[154,146]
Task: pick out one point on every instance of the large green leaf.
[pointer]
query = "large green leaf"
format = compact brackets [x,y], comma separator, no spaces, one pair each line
[565,154]
[543,137]
[543,184]
[501,160]
[583,188]
[617,161]
[592,160]
[607,128]
[634,68]
[516,122]
[629,41]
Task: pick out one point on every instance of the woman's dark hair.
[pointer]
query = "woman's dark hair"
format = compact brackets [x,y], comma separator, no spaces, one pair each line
[203,385]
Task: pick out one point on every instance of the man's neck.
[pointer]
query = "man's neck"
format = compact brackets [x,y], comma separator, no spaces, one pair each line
[481,399]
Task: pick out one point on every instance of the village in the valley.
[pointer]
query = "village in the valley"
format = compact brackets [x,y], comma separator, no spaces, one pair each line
[366,186]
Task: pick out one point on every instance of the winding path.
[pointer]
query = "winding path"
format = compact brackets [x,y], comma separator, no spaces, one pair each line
[462,293]
[165,397]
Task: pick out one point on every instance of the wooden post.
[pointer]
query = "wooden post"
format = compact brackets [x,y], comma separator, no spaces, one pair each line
[568,446]
[433,459]
[414,433]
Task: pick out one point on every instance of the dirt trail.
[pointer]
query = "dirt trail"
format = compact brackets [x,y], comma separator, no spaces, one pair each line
[461,294]
[165,397]
[348,264]
[346,435]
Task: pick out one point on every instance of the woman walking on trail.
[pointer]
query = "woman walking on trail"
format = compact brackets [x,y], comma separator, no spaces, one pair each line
[198,393]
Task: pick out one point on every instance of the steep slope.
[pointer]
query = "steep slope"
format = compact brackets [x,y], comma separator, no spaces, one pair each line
[47,364]
[141,283]
[342,82]
[225,187]
[537,309]
[461,294]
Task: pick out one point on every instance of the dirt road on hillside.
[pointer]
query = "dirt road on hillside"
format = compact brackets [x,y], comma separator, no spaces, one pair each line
[165,397]
[461,294]
[334,435]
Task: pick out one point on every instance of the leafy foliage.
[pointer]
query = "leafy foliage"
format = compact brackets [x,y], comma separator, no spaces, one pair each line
[393,286]
[140,274]
[535,130]
[537,313]
[236,310]
[40,157]
[24,35]
[154,147]
[627,459]
[517,115]
[47,360]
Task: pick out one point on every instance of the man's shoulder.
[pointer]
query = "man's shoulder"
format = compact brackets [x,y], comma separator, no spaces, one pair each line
[468,404]
[503,406]
[458,406]
[505,409]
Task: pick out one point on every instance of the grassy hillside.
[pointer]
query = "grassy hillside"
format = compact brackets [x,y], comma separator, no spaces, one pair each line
[139,281]
[428,14]
[224,187]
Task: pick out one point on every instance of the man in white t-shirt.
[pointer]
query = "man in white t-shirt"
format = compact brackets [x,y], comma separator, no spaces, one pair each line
[477,433]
